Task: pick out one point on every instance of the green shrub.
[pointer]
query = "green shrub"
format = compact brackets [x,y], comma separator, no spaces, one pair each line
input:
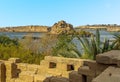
[12,48]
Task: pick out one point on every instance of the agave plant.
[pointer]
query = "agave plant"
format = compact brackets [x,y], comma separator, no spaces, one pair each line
[116,43]
[93,46]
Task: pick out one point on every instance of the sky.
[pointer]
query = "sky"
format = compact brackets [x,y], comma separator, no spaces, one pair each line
[47,12]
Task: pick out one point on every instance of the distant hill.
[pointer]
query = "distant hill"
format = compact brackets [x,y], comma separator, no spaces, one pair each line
[32,28]
[108,27]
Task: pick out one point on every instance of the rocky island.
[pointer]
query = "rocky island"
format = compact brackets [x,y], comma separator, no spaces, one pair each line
[61,27]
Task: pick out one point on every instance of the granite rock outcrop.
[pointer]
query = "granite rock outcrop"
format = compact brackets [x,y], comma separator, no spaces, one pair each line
[61,27]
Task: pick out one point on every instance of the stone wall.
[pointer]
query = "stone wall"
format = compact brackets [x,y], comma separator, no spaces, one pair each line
[15,71]
[106,68]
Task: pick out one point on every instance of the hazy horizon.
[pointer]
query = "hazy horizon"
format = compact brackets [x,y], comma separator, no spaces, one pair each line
[47,12]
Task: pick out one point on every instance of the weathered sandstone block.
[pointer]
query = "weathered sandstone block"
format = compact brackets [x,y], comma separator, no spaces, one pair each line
[15,60]
[95,67]
[2,72]
[22,66]
[110,57]
[56,79]
[75,77]
[85,70]
[26,76]
[39,78]
[111,74]
[11,70]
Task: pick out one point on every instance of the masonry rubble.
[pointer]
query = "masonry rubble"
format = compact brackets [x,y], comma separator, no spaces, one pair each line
[106,68]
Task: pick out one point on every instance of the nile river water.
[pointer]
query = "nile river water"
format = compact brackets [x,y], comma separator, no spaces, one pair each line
[103,34]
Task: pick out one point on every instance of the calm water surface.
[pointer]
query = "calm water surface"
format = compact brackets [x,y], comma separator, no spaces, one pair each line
[21,34]
[103,34]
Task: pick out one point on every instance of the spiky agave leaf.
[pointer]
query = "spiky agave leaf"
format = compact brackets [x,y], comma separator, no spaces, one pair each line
[116,42]
[97,41]
[106,45]
[94,47]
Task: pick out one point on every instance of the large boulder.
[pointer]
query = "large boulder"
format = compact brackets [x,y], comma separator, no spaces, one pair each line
[111,74]
[110,57]
[61,27]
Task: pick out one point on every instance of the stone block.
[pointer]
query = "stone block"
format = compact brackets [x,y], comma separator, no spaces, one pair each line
[15,60]
[39,78]
[2,72]
[10,80]
[33,68]
[11,69]
[111,74]
[75,77]
[110,57]
[56,79]
[62,66]
[52,59]
[95,67]
[44,64]
[19,80]
[85,70]
[26,76]
[22,66]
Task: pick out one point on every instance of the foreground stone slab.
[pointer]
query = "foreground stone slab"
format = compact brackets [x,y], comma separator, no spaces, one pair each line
[97,68]
[111,74]
[110,57]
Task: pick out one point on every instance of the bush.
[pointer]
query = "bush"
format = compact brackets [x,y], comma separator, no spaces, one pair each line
[12,48]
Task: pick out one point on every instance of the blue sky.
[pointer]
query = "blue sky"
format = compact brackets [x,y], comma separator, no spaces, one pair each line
[47,12]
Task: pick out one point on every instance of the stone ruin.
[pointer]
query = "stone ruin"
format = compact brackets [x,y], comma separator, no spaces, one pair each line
[15,71]
[61,27]
[106,68]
